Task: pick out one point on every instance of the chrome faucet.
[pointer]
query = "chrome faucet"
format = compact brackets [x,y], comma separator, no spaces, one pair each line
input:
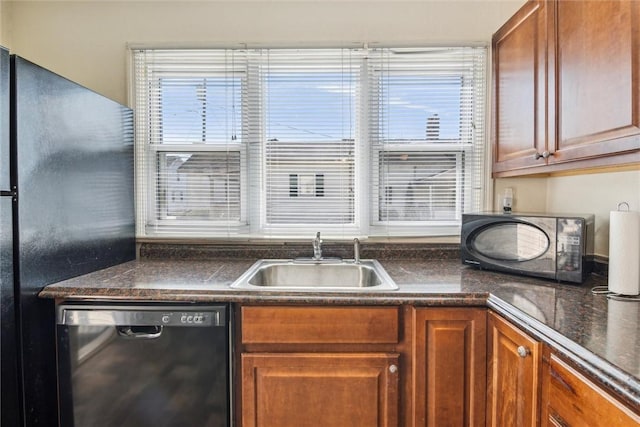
[356,251]
[317,247]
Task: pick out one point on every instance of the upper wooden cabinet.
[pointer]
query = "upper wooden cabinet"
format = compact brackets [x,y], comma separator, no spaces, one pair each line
[519,89]
[567,87]
[597,87]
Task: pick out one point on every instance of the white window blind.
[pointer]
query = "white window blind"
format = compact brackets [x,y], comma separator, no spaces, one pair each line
[190,141]
[311,101]
[426,133]
[286,142]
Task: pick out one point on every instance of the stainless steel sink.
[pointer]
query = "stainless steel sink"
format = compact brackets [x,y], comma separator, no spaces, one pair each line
[316,275]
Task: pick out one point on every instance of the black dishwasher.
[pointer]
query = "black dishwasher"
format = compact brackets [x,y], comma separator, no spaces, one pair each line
[144,365]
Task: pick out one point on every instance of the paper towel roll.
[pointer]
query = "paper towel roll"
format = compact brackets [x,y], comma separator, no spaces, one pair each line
[624,252]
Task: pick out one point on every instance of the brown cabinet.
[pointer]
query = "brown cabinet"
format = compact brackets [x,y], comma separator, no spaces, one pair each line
[597,78]
[569,398]
[567,87]
[513,375]
[362,366]
[449,366]
[326,325]
[520,123]
[320,389]
[320,365]
[407,366]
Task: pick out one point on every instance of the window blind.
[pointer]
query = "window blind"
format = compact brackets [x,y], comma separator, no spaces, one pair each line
[286,142]
[311,109]
[190,141]
[426,130]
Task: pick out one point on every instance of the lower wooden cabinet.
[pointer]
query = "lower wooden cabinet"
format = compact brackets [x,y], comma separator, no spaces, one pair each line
[513,390]
[569,398]
[320,389]
[449,367]
[321,366]
[407,366]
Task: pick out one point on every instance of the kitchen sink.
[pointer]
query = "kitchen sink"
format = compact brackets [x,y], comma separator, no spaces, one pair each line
[316,275]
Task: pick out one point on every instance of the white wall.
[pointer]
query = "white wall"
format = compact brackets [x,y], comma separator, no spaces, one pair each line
[86,40]
[4,33]
[595,193]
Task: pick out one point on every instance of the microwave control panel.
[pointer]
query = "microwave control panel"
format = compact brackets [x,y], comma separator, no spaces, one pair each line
[569,244]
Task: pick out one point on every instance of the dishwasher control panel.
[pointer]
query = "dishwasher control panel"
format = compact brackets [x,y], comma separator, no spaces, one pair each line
[192,318]
[204,316]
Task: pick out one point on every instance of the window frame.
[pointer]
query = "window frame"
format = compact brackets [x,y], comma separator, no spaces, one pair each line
[462,150]
[253,139]
[153,219]
[273,230]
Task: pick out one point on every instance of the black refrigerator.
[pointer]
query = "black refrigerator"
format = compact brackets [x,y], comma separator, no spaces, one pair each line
[66,209]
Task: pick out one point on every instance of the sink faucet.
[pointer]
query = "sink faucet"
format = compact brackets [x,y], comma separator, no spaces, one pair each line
[317,247]
[356,251]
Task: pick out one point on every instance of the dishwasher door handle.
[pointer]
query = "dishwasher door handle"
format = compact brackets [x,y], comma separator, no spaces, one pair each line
[140,332]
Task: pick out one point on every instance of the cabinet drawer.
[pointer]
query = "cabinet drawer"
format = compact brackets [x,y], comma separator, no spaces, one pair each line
[573,400]
[320,325]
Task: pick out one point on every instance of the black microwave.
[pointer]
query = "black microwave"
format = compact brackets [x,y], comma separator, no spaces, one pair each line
[551,246]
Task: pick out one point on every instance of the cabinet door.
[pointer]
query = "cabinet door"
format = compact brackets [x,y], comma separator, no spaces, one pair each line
[449,368]
[320,389]
[520,85]
[513,376]
[570,399]
[597,79]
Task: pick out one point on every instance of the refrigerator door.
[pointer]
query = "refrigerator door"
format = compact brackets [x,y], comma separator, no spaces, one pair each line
[9,390]
[4,120]
[74,168]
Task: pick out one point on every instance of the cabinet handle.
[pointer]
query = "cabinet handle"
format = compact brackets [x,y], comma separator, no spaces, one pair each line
[545,155]
[393,369]
[523,351]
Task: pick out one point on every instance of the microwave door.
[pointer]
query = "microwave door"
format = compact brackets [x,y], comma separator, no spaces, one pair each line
[515,246]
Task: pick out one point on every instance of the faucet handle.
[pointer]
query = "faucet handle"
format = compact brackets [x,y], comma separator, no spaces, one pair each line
[317,247]
[356,250]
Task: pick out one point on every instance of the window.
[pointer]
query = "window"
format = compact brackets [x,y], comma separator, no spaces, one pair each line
[281,142]
[310,120]
[189,141]
[426,138]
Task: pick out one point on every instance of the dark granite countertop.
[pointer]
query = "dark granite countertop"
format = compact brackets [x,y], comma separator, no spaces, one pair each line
[600,335]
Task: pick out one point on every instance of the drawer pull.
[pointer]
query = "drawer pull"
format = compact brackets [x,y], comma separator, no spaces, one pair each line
[393,369]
